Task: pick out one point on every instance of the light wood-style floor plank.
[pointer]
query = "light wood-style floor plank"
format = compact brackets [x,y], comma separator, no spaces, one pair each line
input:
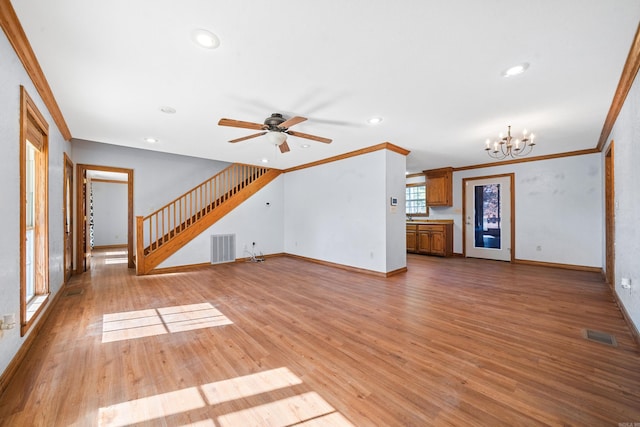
[452,342]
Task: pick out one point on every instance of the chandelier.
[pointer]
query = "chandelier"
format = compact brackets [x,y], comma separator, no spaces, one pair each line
[507,146]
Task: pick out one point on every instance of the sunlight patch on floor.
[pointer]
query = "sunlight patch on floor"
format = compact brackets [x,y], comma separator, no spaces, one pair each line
[194,316]
[249,385]
[334,419]
[150,322]
[304,409]
[203,423]
[284,412]
[113,253]
[109,261]
[148,408]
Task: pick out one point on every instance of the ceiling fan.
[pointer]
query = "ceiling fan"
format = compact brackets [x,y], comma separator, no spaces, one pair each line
[275,127]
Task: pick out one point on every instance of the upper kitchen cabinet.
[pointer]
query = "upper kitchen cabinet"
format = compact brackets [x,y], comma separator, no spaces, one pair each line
[439,187]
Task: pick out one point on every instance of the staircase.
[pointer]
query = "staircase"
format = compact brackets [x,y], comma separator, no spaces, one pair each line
[166,230]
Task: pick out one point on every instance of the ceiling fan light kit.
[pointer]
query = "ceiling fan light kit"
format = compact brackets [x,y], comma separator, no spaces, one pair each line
[276,138]
[506,146]
[276,127]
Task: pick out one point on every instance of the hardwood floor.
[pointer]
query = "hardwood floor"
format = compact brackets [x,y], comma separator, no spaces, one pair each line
[453,341]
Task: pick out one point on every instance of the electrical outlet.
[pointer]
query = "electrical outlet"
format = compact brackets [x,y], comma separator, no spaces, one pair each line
[8,321]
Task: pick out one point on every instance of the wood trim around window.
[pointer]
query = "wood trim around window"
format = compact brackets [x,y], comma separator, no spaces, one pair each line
[418,215]
[34,127]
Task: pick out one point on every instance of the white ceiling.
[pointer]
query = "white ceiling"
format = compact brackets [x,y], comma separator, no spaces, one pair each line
[431,69]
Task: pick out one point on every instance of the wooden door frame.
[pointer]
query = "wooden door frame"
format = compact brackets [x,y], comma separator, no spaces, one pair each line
[81,170]
[610,220]
[512,218]
[68,164]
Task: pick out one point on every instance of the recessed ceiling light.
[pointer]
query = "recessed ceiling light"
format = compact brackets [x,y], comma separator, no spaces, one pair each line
[265,160]
[151,140]
[374,120]
[305,146]
[205,39]
[168,110]
[515,70]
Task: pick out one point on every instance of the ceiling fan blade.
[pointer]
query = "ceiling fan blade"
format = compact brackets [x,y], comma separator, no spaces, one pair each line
[284,147]
[240,124]
[292,121]
[255,135]
[307,136]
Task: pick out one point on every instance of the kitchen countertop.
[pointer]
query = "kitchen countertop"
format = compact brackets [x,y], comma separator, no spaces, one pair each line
[430,221]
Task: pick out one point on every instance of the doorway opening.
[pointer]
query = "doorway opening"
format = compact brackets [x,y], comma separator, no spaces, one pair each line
[84,231]
[488,230]
[67,213]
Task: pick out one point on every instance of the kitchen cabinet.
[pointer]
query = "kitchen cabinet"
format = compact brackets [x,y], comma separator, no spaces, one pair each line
[430,238]
[412,238]
[439,183]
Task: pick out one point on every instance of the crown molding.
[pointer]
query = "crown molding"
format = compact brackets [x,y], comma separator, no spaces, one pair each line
[529,159]
[383,146]
[629,72]
[15,34]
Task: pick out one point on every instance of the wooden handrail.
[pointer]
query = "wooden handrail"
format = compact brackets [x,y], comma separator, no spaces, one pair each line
[175,217]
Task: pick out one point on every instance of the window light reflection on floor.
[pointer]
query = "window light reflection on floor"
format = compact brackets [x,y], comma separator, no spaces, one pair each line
[152,407]
[303,409]
[249,385]
[203,423]
[110,261]
[113,253]
[283,412]
[150,322]
[113,257]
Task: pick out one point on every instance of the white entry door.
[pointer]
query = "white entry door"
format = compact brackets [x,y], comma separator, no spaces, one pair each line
[488,217]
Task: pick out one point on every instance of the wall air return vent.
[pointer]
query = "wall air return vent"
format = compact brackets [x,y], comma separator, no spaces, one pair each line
[223,248]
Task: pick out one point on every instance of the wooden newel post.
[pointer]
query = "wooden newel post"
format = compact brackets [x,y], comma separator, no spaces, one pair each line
[139,246]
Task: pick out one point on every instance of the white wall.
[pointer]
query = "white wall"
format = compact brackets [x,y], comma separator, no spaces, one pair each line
[626,135]
[158,177]
[109,213]
[558,207]
[252,221]
[396,236]
[337,212]
[12,75]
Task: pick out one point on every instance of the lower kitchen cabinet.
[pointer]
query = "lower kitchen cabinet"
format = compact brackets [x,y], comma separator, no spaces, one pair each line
[432,238]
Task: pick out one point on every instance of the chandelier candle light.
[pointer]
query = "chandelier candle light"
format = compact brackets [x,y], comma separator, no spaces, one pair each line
[506,146]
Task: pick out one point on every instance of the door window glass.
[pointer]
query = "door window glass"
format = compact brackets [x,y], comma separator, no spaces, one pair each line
[487,216]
